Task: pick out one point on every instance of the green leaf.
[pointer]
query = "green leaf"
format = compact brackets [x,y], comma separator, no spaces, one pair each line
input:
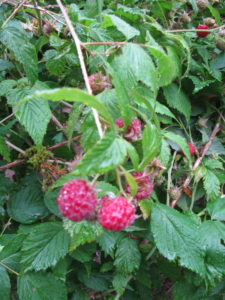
[216,209]
[93,281]
[108,241]
[131,181]
[127,257]
[45,245]
[93,7]
[50,202]
[211,184]
[5,65]
[106,155]
[151,144]
[73,118]
[6,85]
[165,153]
[127,30]
[104,187]
[135,63]
[211,233]
[199,84]
[213,164]
[120,282]
[16,41]
[84,253]
[72,95]
[132,152]
[179,140]
[176,236]
[33,115]
[215,13]
[89,132]
[146,207]
[82,232]
[41,286]
[5,285]
[27,205]
[123,97]
[176,98]
[4,150]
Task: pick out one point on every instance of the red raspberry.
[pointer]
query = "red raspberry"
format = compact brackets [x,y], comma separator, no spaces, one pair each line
[192,148]
[98,83]
[116,214]
[77,200]
[202,33]
[133,131]
[145,186]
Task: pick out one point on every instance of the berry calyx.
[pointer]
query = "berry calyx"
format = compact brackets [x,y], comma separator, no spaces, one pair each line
[98,83]
[202,33]
[192,148]
[116,214]
[145,186]
[77,200]
[202,4]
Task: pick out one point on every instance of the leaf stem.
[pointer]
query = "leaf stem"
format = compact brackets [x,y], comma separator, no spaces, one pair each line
[151,253]
[120,183]
[193,196]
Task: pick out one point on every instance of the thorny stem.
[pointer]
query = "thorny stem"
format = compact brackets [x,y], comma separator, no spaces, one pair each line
[199,160]
[82,63]
[8,268]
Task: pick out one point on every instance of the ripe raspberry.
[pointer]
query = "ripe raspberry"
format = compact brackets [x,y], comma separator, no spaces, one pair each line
[202,33]
[116,214]
[77,200]
[145,186]
[192,148]
[119,122]
[98,83]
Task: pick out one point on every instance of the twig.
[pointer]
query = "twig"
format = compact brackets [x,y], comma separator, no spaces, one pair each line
[66,104]
[39,18]
[14,12]
[8,268]
[169,181]
[82,63]
[57,123]
[63,143]
[6,118]
[14,147]
[199,160]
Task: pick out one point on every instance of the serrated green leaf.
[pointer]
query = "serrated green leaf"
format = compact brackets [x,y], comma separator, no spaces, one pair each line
[127,257]
[4,150]
[94,281]
[216,209]
[213,164]
[17,42]
[41,286]
[50,202]
[108,241]
[89,132]
[6,85]
[104,188]
[84,253]
[199,84]
[135,64]
[27,205]
[106,155]
[93,7]
[5,285]
[82,232]
[72,95]
[5,65]
[72,120]
[45,245]
[151,144]
[120,282]
[131,181]
[179,140]
[33,115]
[132,152]
[165,153]
[176,98]
[176,236]
[127,30]
[211,184]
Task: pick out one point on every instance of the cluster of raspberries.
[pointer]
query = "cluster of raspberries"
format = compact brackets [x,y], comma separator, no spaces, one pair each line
[78,200]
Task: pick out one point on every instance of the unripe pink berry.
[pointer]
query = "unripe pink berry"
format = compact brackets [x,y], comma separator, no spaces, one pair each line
[145,186]
[192,148]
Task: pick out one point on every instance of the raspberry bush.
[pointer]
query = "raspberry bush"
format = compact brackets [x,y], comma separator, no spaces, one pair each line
[112,150]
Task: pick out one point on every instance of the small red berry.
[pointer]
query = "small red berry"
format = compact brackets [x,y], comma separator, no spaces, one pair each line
[145,186]
[119,122]
[98,83]
[133,131]
[77,200]
[192,148]
[116,214]
[202,33]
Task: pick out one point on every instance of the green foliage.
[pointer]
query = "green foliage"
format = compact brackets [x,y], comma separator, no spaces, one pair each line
[155,69]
